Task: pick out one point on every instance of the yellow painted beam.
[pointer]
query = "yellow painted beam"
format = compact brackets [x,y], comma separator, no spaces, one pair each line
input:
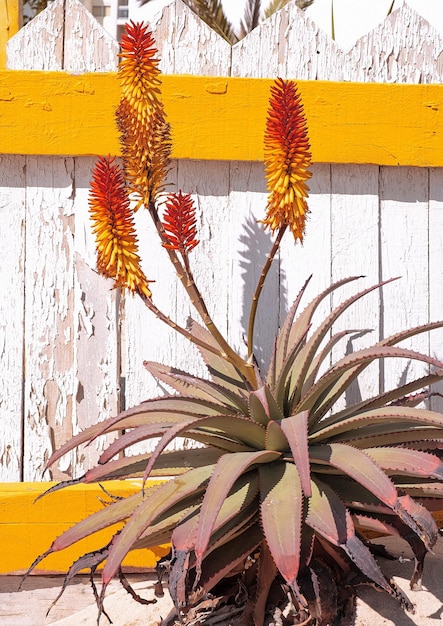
[10,22]
[223,118]
[27,528]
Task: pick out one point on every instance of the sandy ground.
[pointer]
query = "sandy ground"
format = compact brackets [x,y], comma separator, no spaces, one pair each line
[77,607]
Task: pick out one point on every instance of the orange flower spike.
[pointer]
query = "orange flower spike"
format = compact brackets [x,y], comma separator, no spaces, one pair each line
[287,159]
[144,132]
[179,223]
[113,226]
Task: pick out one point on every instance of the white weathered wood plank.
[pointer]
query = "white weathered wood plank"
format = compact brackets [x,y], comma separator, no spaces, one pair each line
[87,46]
[49,318]
[39,44]
[12,290]
[405,48]
[404,237]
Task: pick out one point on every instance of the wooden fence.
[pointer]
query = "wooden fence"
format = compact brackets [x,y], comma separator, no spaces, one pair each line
[72,348]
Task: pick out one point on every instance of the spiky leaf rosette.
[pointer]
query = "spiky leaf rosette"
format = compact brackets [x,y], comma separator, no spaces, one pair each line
[284,475]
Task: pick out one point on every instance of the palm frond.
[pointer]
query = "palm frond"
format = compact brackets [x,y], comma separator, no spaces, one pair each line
[211,12]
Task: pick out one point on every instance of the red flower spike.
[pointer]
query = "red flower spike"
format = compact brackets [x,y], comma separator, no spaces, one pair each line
[287,158]
[179,223]
[113,225]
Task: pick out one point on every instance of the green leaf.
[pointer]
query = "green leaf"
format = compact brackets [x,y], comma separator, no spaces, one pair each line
[227,471]
[295,428]
[281,512]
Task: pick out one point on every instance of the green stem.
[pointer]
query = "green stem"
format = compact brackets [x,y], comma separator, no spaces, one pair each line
[258,290]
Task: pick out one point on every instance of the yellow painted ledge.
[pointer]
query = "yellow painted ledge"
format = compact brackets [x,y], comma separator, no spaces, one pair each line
[223,118]
[27,528]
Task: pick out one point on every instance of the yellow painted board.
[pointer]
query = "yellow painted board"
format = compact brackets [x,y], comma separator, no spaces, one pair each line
[10,22]
[223,118]
[27,528]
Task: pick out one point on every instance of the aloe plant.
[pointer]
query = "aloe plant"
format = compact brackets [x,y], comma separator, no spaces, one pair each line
[271,511]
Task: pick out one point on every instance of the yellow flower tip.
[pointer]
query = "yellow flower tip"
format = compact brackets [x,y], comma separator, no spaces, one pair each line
[113,225]
[287,159]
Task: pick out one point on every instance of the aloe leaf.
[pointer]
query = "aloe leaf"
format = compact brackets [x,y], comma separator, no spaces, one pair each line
[167,410]
[227,471]
[216,440]
[382,399]
[344,382]
[309,351]
[407,462]
[356,464]
[361,358]
[170,463]
[156,504]
[282,342]
[221,370]
[242,494]
[394,419]
[275,438]
[131,437]
[231,426]
[227,557]
[263,407]
[281,511]
[328,517]
[295,428]
[187,384]
[373,524]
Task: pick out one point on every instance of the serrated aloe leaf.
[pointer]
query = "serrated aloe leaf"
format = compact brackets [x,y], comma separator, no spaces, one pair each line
[422,518]
[108,516]
[281,344]
[229,425]
[304,320]
[374,524]
[263,407]
[295,428]
[407,462]
[167,409]
[343,383]
[348,363]
[382,399]
[221,370]
[218,441]
[131,437]
[387,419]
[225,559]
[275,438]
[189,385]
[170,463]
[227,471]
[242,494]
[281,511]
[307,355]
[356,464]
[156,504]
[328,517]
